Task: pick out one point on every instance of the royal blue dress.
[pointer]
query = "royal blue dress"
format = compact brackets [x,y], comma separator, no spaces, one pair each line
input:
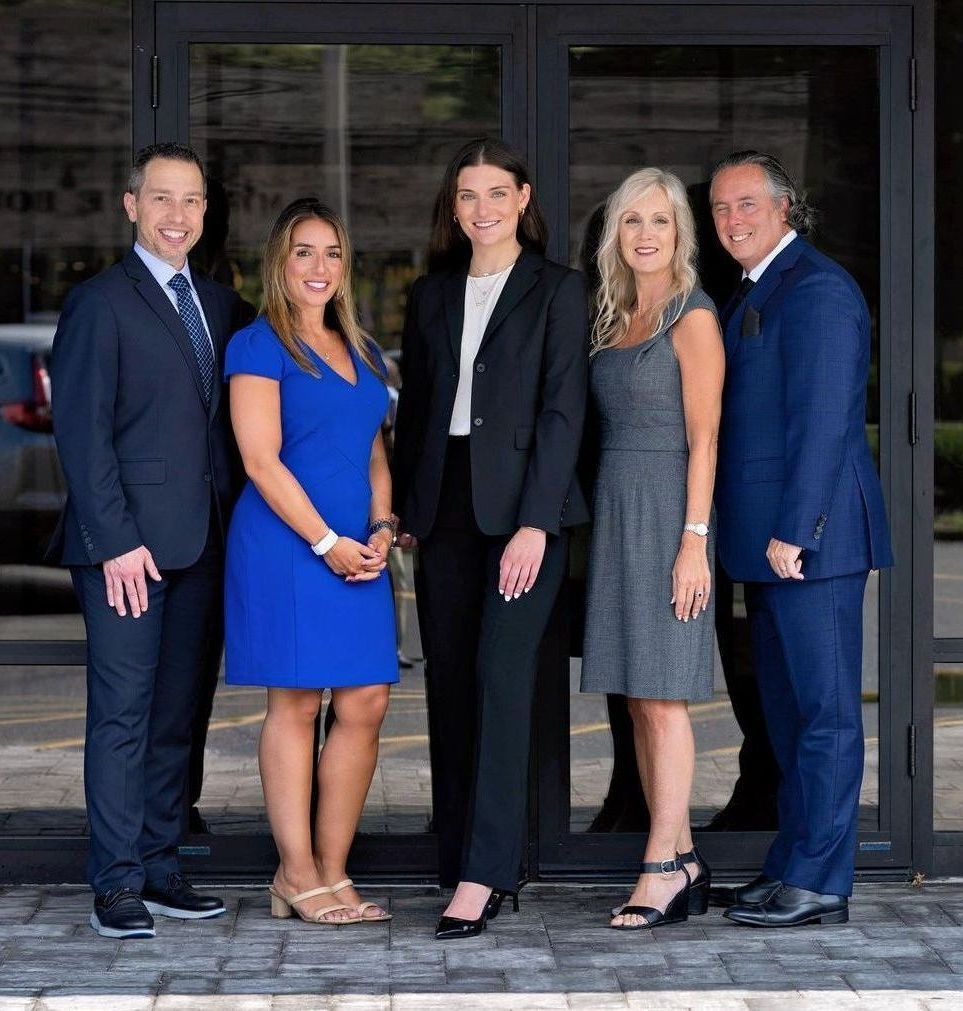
[290,621]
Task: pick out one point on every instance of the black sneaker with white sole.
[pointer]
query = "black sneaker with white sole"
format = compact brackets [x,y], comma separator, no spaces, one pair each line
[121,913]
[176,898]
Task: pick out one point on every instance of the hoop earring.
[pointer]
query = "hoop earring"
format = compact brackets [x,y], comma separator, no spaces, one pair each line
[521,212]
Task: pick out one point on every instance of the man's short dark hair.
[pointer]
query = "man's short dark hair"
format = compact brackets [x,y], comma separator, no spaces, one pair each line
[801,215]
[176,152]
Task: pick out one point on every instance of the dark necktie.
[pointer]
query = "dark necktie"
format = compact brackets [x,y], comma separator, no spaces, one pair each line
[191,318]
[737,299]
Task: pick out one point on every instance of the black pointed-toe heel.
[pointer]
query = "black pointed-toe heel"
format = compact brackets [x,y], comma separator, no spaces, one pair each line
[494,904]
[677,911]
[452,927]
[699,888]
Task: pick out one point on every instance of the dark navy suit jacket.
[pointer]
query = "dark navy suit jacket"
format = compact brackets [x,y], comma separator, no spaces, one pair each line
[141,449]
[794,462]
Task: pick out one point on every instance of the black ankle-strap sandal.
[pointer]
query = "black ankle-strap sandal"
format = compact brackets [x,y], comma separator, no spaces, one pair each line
[677,910]
[699,887]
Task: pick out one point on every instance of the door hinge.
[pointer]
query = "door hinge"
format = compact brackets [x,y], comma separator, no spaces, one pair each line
[913,427]
[912,84]
[911,750]
[154,81]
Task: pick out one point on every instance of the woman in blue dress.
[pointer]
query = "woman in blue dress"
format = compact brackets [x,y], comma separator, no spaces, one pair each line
[308,601]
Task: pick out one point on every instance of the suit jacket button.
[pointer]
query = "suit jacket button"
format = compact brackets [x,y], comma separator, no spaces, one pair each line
[480,367]
[207,477]
[479,422]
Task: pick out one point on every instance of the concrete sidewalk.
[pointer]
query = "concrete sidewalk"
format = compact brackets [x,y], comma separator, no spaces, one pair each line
[903,948]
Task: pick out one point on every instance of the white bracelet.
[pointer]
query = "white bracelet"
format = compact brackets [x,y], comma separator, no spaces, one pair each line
[325,544]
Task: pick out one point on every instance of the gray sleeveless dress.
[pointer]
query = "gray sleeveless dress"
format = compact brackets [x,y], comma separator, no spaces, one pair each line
[634,644]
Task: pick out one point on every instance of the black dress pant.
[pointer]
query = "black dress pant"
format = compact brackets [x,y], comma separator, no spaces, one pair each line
[481,654]
[143,676]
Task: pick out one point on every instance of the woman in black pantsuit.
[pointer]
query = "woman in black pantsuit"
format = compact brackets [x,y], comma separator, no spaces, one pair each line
[495,359]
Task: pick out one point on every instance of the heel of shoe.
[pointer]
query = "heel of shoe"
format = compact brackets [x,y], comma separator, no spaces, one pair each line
[280,909]
[840,916]
[514,896]
[699,898]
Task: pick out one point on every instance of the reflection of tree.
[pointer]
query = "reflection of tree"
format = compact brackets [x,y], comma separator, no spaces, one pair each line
[457,80]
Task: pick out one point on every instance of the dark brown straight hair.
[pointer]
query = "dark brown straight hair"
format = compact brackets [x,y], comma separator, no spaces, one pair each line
[449,246]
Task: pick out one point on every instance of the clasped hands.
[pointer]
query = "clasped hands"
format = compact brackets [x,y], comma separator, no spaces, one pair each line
[357,562]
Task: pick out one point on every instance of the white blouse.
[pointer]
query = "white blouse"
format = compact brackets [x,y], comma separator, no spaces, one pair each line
[481,294]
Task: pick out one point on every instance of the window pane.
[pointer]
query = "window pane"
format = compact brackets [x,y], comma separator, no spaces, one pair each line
[64,157]
[682,108]
[948,448]
[369,130]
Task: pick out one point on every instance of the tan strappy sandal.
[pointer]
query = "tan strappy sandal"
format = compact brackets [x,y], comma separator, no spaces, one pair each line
[380,918]
[283,907]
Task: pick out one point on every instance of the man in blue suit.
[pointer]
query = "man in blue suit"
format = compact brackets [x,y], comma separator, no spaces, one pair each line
[801,522]
[143,432]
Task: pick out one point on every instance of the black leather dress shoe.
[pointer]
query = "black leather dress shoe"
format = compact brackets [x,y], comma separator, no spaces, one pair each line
[176,898]
[758,890]
[121,913]
[792,907]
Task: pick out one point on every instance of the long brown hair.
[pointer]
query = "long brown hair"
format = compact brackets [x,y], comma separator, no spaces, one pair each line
[449,246]
[340,313]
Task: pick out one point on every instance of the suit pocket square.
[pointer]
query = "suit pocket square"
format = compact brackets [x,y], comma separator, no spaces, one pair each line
[750,323]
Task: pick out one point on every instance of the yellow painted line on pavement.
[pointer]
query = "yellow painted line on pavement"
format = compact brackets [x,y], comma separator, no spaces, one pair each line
[73,714]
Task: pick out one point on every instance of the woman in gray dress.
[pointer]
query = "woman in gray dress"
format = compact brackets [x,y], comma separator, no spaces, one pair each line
[656,379]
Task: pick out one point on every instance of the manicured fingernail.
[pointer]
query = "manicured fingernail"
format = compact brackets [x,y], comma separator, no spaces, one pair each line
[508,597]
[517,595]
[527,588]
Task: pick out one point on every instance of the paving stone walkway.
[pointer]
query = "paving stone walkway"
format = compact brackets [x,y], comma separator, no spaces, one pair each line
[903,948]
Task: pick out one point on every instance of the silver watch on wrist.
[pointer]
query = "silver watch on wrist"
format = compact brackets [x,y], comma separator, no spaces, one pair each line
[701,529]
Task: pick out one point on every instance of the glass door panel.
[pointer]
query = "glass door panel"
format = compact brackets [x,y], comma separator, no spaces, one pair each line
[649,88]
[368,128]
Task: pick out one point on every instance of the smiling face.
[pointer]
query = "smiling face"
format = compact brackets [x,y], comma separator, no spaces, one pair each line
[647,233]
[169,209]
[488,203]
[749,222]
[314,266]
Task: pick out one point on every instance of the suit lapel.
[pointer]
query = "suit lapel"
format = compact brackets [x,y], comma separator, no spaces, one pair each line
[453,290]
[520,281]
[761,292]
[150,291]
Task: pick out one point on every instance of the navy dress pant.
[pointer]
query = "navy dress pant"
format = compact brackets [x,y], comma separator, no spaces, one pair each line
[143,676]
[808,646]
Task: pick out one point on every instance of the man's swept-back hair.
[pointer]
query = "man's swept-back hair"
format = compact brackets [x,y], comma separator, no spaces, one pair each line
[175,152]
[801,215]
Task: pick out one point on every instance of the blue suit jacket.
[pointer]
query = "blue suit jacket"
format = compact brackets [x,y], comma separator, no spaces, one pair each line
[142,451]
[794,462]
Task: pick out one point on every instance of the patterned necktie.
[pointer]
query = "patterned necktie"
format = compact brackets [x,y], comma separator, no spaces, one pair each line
[191,318]
[737,299]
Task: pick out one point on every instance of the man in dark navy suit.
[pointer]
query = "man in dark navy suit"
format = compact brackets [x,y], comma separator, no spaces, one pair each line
[801,522]
[143,432]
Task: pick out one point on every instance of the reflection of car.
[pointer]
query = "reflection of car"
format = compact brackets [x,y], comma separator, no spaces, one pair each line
[32,487]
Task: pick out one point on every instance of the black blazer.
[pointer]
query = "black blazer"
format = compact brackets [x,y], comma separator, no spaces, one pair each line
[527,404]
[141,451]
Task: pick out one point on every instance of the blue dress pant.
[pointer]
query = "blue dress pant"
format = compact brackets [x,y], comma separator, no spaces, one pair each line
[808,643]
[143,676]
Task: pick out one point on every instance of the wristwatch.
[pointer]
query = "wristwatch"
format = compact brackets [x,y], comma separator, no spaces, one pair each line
[697,528]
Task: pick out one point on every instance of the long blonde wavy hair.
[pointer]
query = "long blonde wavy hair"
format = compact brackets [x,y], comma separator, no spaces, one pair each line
[340,313]
[616,294]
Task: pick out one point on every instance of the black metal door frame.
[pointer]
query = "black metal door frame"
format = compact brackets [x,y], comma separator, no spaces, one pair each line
[534,37]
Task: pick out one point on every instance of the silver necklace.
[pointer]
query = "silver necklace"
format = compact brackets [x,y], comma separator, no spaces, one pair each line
[480,293]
